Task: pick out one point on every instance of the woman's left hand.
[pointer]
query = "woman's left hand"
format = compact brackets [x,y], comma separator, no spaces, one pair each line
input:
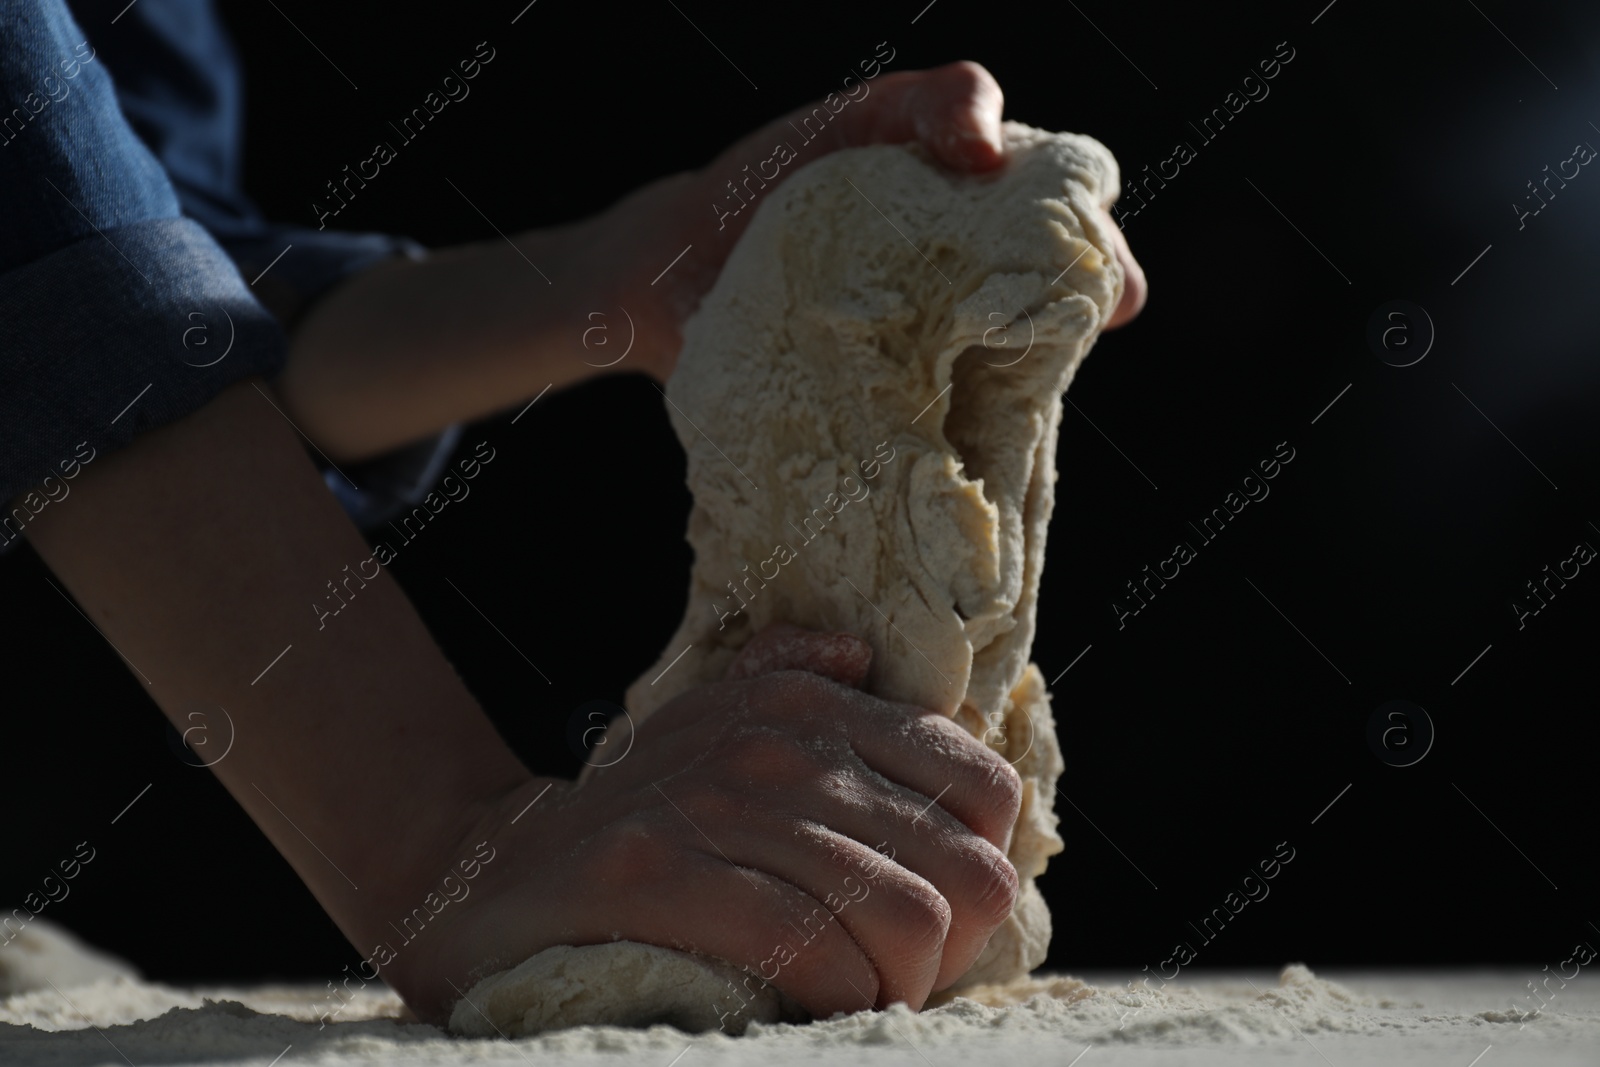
[954,111]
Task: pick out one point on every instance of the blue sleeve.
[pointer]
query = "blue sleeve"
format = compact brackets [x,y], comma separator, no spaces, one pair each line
[180,87]
[168,276]
[100,274]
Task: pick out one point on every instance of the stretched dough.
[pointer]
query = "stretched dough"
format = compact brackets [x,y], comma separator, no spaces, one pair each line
[869,398]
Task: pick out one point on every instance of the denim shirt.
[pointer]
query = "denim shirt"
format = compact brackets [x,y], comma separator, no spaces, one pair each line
[137,280]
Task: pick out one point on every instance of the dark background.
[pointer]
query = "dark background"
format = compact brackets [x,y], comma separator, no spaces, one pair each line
[1208,729]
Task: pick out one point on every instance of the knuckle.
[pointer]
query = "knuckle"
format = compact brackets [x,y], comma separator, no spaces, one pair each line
[1008,789]
[967,72]
[996,884]
[923,923]
[792,691]
[973,77]
[707,801]
[990,790]
[774,763]
[760,751]
[996,792]
[634,851]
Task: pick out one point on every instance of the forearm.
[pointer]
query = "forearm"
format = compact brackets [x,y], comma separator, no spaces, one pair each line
[405,349]
[198,551]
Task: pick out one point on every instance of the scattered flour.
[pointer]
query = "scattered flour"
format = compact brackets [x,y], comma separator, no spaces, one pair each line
[1299,1018]
[40,952]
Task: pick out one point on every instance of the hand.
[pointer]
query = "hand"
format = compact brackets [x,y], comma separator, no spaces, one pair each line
[407,348]
[748,805]
[953,110]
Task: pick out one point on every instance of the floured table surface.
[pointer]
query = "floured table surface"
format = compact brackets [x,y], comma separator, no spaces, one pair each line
[1425,1018]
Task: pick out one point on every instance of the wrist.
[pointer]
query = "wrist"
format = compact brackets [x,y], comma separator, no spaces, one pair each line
[644,256]
[448,933]
[415,885]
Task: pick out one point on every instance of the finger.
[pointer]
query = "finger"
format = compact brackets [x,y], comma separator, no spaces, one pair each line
[733,913]
[898,919]
[899,828]
[953,110]
[919,749]
[842,657]
[933,756]
[786,790]
[1135,287]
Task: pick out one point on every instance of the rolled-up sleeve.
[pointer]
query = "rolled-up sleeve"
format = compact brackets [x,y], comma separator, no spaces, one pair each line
[116,334]
[292,267]
[137,280]
[114,309]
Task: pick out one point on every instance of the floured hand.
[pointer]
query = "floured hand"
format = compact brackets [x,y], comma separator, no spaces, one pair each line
[748,805]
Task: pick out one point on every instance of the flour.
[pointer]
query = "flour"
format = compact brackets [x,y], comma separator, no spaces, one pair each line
[1212,1021]
[40,952]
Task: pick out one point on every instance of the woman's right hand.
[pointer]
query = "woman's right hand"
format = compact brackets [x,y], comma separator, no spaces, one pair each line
[744,809]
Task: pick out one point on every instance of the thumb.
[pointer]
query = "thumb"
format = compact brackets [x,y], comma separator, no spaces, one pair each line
[845,658]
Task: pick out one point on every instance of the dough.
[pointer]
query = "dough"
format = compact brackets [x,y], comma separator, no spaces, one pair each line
[619,984]
[869,398]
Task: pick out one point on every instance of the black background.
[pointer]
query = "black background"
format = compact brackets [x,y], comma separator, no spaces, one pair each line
[1211,727]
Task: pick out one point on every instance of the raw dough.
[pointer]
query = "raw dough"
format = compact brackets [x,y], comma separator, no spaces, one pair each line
[622,983]
[869,398]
